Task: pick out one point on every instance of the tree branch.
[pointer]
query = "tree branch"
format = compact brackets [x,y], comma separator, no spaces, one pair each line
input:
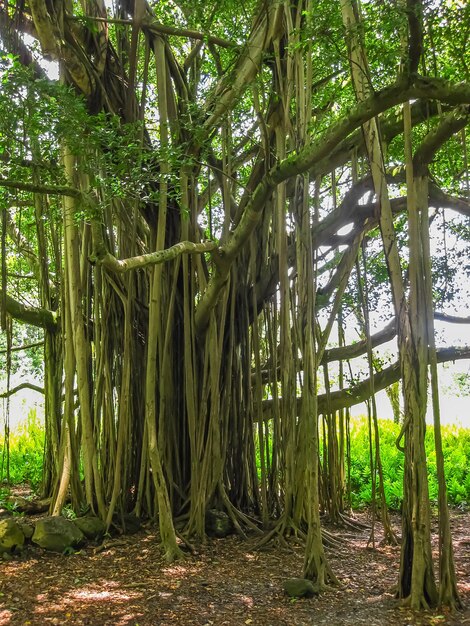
[414,11]
[42,318]
[11,392]
[156,27]
[61,190]
[37,344]
[452,319]
[359,348]
[361,392]
[451,124]
[153,258]
[422,87]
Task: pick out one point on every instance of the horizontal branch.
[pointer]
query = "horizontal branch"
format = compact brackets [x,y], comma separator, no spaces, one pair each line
[20,387]
[60,190]
[361,392]
[439,198]
[356,394]
[452,319]
[42,318]
[153,258]
[156,27]
[298,163]
[37,344]
[387,333]
[359,348]
[448,126]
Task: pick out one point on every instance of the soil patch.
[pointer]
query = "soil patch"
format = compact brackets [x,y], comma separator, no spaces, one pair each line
[227,583]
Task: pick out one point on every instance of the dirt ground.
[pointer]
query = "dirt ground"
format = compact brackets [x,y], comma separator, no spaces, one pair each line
[227,582]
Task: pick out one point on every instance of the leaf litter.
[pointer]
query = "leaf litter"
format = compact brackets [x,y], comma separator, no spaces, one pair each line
[228,582]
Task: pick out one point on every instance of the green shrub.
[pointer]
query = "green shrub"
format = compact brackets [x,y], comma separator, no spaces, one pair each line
[392,463]
[27,449]
[26,452]
[456,449]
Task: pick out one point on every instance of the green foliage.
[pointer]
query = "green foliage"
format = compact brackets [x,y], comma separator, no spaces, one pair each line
[27,445]
[461,384]
[392,463]
[40,115]
[456,448]
[68,512]
[26,451]
[5,503]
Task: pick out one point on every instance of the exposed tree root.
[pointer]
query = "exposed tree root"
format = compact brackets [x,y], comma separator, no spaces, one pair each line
[185,543]
[238,518]
[353,523]
[276,533]
[173,554]
[417,606]
[330,541]
[286,530]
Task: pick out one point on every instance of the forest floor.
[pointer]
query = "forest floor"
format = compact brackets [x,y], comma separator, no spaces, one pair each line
[228,582]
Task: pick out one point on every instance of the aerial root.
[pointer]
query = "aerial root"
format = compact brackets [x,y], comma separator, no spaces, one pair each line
[277,533]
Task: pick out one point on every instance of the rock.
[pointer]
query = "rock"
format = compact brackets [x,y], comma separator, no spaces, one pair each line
[129,523]
[132,523]
[218,523]
[299,588]
[11,535]
[92,527]
[30,507]
[27,529]
[57,534]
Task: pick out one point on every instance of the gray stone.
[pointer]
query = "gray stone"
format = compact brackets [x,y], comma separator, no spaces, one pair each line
[299,588]
[57,534]
[92,527]
[218,523]
[132,523]
[129,523]
[27,529]
[11,535]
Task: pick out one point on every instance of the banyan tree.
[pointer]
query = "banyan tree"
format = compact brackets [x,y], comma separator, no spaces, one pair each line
[175,178]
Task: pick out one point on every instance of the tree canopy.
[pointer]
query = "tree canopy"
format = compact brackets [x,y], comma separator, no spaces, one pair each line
[176,180]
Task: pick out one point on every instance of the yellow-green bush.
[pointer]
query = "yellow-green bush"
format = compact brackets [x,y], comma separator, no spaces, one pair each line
[26,452]
[456,448]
